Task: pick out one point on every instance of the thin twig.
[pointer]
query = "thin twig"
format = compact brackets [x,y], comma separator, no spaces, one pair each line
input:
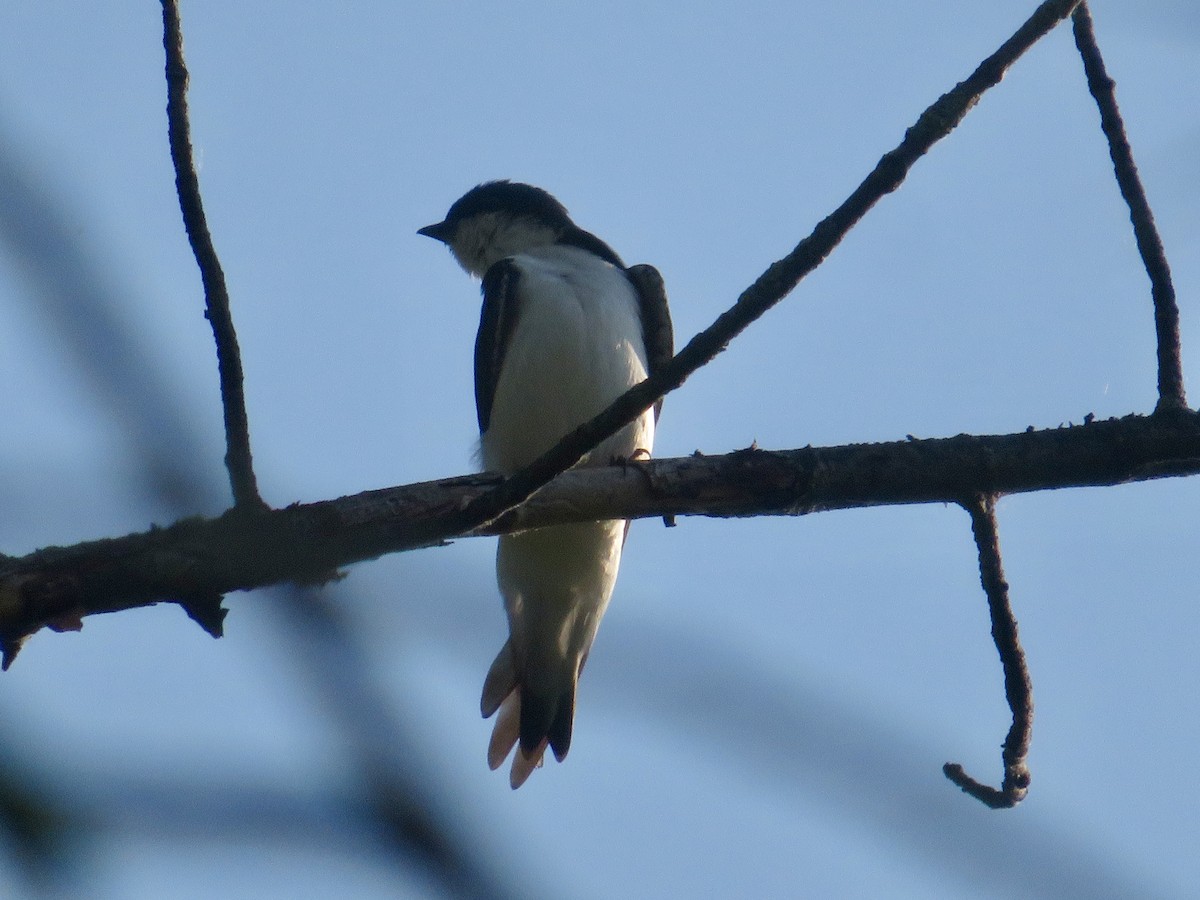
[1171,395]
[1018,689]
[216,295]
[779,279]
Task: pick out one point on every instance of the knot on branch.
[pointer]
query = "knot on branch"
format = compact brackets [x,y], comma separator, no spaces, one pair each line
[206,611]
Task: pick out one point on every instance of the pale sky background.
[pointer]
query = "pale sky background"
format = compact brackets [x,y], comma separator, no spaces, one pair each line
[769,702]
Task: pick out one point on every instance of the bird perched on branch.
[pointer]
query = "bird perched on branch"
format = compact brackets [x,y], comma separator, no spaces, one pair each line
[566,329]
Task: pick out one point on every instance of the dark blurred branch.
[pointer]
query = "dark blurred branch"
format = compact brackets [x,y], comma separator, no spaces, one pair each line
[196,562]
[304,543]
[817,747]
[778,280]
[42,829]
[73,294]
[1154,258]
[418,818]
[216,295]
[398,799]
[1018,689]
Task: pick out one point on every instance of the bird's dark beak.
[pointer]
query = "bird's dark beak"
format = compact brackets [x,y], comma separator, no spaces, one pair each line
[442,231]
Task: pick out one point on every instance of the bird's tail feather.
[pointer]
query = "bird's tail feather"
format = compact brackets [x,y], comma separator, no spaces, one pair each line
[528,720]
[500,681]
[547,719]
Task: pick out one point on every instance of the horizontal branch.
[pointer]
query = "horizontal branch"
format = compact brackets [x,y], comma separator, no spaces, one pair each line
[195,562]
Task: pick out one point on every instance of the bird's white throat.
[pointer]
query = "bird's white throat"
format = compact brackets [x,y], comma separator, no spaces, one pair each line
[482,241]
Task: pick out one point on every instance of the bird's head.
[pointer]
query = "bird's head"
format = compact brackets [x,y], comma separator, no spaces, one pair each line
[499,219]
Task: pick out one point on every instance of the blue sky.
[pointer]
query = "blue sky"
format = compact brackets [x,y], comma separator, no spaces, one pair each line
[769,702]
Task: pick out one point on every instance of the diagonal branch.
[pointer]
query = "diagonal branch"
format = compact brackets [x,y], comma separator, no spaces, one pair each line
[216,295]
[1018,689]
[1166,311]
[779,279]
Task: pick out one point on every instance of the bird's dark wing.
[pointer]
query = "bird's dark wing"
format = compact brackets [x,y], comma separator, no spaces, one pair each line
[496,323]
[657,332]
[585,240]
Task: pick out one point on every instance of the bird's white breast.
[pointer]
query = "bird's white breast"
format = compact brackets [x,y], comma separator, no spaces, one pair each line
[577,346]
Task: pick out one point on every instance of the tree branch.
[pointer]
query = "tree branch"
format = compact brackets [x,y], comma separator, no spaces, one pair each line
[1018,689]
[216,296]
[197,560]
[1149,244]
[778,280]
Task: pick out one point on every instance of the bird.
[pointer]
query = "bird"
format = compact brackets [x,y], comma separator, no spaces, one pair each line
[566,328]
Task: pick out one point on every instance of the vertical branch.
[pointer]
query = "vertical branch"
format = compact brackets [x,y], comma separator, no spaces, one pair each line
[1166,311]
[216,295]
[1018,689]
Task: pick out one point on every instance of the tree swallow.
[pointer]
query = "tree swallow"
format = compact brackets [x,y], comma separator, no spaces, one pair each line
[566,328]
